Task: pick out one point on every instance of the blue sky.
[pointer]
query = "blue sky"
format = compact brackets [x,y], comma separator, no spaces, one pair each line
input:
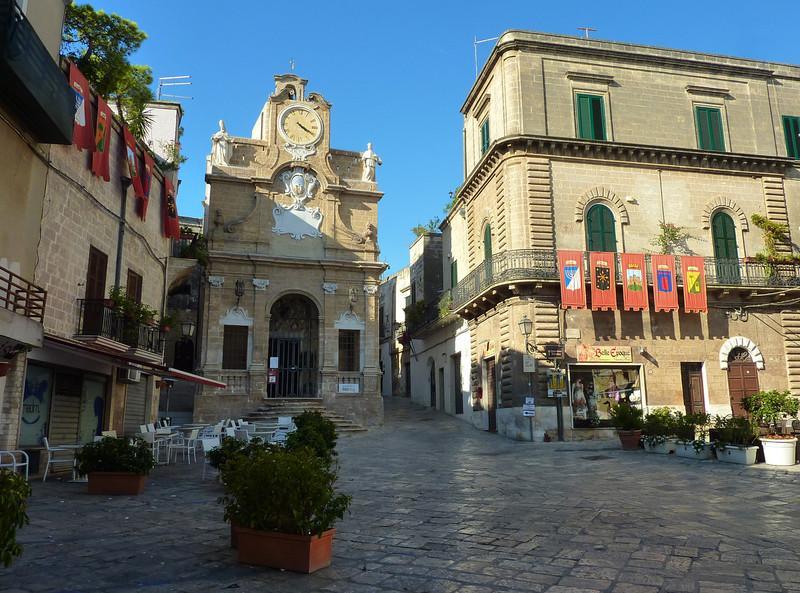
[397,72]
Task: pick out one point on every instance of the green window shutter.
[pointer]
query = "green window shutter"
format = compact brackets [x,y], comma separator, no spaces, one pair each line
[791,129]
[591,117]
[487,243]
[709,129]
[453,273]
[724,234]
[485,136]
[600,232]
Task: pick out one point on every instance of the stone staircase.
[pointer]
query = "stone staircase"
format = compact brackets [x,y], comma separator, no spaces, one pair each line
[270,409]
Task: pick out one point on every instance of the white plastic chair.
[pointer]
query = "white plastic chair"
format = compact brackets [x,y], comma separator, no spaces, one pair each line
[155,444]
[230,432]
[278,437]
[286,423]
[53,459]
[241,434]
[143,428]
[186,445]
[208,444]
[151,427]
[14,459]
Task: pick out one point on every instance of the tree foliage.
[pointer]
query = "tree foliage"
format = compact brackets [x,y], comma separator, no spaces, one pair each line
[101,44]
[429,227]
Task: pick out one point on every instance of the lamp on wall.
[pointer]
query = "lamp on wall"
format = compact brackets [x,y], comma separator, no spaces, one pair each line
[239,291]
[526,327]
[187,329]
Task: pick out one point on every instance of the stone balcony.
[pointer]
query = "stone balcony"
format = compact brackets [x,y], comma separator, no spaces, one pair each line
[100,324]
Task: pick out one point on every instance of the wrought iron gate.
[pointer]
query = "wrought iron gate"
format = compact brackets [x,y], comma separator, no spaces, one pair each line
[294,339]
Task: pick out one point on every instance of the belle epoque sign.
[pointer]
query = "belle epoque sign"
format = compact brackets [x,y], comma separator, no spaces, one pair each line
[588,353]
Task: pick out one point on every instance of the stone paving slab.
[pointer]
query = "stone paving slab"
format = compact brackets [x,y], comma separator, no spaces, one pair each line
[441,507]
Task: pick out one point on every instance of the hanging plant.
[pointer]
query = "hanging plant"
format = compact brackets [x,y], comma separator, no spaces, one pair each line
[774,234]
[670,239]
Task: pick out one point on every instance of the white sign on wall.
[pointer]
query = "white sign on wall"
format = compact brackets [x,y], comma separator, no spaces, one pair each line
[528,363]
[349,387]
[529,407]
[273,362]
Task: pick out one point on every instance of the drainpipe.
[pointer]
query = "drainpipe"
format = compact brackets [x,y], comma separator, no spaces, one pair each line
[126,183]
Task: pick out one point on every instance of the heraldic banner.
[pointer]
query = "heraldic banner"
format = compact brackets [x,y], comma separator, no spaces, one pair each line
[604,280]
[694,284]
[570,268]
[665,293]
[134,169]
[82,131]
[169,210]
[634,282]
[102,140]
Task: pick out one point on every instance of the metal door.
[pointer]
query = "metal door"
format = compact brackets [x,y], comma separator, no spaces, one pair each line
[491,397]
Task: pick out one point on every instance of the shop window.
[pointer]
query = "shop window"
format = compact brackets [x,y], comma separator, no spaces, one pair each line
[791,129]
[590,113]
[349,350]
[134,286]
[600,229]
[594,389]
[484,136]
[709,129]
[234,347]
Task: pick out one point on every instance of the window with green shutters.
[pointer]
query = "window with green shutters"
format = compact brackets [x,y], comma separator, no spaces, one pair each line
[600,232]
[709,129]
[487,242]
[791,129]
[726,251]
[485,136]
[453,273]
[591,117]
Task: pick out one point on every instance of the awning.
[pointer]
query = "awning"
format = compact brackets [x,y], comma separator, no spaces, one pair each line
[191,378]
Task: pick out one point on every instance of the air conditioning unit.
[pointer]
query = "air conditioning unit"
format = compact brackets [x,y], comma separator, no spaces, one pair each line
[129,375]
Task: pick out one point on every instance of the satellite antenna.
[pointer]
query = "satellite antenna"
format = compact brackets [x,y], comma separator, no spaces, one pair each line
[586,31]
[475,44]
[170,82]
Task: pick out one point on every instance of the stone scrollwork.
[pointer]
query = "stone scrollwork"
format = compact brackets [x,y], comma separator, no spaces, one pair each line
[297,220]
[260,283]
[216,281]
[371,289]
[329,287]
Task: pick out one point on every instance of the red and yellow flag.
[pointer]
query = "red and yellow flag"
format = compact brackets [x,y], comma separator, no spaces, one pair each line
[102,140]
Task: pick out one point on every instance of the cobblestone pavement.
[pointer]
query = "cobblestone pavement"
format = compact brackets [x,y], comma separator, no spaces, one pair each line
[439,507]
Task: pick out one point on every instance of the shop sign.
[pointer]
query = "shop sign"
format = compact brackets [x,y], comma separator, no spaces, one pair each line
[556,383]
[529,407]
[528,363]
[588,353]
[348,387]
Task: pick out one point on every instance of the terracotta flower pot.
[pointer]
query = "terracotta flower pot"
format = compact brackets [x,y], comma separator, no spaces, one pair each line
[113,483]
[298,553]
[629,439]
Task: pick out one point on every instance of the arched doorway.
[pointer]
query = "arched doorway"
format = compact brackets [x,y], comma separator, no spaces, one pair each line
[601,234]
[742,379]
[294,341]
[726,251]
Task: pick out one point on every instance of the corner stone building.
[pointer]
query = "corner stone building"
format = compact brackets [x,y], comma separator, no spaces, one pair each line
[290,309]
[576,144]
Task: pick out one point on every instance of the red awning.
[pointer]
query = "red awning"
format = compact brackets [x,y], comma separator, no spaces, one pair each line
[191,378]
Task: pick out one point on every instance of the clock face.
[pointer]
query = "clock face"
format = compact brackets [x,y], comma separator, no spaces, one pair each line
[300,125]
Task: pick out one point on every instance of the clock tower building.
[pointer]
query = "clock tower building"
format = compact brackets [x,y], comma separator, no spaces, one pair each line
[290,303]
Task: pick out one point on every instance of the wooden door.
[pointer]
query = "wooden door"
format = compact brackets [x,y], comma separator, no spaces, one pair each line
[96,274]
[742,381]
[693,395]
[491,396]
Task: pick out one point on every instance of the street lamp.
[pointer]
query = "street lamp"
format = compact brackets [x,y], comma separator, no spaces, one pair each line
[526,328]
[187,329]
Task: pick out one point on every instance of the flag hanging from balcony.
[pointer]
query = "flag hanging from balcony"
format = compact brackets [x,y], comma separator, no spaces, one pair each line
[573,291]
[634,282]
[132,161]
[169,210]
[82,132]
[102,140]
[604,280]
[694,284]
[665,292]
[147,181]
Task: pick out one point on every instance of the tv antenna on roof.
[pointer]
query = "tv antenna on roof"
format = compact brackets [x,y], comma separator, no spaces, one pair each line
[171,81]
[475,49]
[586,31]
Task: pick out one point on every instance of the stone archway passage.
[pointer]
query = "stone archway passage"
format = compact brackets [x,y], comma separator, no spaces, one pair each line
[294,340]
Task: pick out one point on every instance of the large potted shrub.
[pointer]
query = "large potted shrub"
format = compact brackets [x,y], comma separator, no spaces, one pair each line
[627,419]
[14,493]
[735,440]
[116,465]
[690,435]
[285,506]
[656,430]
[768,408]
[315,432]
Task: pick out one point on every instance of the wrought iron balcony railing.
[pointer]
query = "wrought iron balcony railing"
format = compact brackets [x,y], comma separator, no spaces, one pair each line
[98,317]
[542,265]
[20,296]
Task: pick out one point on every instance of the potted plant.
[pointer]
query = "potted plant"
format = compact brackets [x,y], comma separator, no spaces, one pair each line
[690,435]
[14,493]
[315,432]
[735,440]
[116,465]
[627,419]
[166,323]
[285,506]
[656,429]
[768,408]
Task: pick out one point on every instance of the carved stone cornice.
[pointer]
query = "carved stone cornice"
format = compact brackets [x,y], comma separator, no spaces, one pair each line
[659,157]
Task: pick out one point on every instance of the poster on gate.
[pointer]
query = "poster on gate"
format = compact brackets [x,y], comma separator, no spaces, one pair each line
[634,282]
[570,268]
[665,292]
[604,280]
[694,284]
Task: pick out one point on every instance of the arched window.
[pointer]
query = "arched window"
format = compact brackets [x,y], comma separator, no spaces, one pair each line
[600,232]
[487,242]
[726,252]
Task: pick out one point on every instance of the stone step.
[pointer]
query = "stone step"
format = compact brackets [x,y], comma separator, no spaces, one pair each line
[271,409]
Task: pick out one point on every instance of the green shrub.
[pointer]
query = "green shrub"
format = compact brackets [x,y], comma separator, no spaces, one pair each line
[315,432]
[279,490]
[690,427]
[116,455]
[732,430]
[658,425]
[229,448]
[770,407]
[624,416]
[14,493]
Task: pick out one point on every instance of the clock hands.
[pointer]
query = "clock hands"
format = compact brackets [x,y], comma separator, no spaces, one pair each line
[304,128]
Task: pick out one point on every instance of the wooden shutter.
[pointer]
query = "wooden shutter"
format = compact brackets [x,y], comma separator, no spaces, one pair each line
[600,232]
[487,243]
[584,117]
[453,273]
[709,129]
[134,286]
[791,129]
[135,407]
[598,118]
[96,274]
[485,136]
[234,347]
[724,233]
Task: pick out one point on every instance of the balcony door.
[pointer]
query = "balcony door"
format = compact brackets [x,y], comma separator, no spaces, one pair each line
[726,251]
[601,234]
[93,313]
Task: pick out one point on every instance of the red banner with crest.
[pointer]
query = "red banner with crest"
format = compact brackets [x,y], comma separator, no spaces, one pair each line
[169,210]
[602,270]
[147,181]
[132,161]
[102,140]
[634,282]
[82,131]
[665,291]
[573,287]
[694,284]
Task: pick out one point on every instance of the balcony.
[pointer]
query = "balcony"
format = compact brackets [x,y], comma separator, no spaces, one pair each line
[503,274]
[422,315]
[101,324]
[21,313]
[34,86]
